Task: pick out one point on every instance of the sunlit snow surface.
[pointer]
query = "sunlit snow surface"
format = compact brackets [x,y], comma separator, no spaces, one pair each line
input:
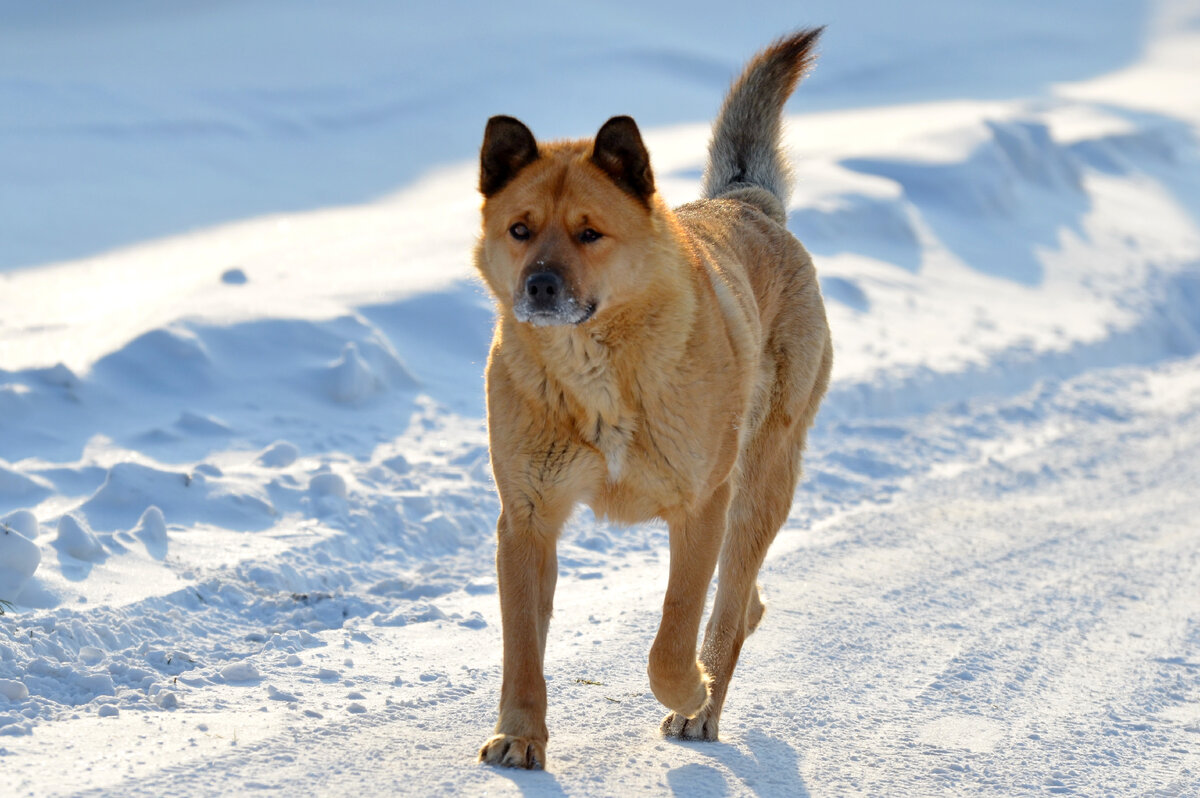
[247,509]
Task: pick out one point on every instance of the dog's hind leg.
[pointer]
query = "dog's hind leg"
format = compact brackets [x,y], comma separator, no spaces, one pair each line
[676,677]
[757,512]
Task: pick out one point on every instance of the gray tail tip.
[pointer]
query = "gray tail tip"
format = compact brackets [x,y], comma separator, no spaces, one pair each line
[797,48]
[779,67]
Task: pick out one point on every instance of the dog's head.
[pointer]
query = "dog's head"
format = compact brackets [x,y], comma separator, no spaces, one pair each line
[565,224]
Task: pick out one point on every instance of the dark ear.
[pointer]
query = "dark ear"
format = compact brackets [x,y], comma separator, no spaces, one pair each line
[508,147]
[619,151]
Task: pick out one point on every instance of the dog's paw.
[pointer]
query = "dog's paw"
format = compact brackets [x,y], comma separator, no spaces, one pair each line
[702,727]
[514,752]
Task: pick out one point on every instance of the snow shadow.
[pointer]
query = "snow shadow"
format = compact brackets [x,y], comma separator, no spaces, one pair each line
[533,783]
[1157,145]
[845,290]
[1009,199]
[877,227]
[444,338]
[697,779]
[138,121]
[769,768]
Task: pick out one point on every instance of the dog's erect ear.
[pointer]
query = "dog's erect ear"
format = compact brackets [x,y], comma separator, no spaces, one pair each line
[619,151]
[508,147]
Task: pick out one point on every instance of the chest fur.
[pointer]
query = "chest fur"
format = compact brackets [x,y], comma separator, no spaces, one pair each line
[640,443]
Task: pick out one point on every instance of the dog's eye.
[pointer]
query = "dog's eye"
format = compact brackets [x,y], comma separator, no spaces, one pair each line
[589,235]
[519,232]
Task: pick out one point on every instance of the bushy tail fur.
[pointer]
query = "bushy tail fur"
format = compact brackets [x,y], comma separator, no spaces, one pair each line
[744,153]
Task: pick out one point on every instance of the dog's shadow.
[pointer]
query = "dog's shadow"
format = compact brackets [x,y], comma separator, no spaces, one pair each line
[533,783]
[769,768]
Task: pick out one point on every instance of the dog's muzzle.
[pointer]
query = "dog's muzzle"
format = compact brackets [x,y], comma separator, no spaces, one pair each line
[545,300]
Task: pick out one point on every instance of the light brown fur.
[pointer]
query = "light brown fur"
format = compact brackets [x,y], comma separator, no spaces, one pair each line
[686,396]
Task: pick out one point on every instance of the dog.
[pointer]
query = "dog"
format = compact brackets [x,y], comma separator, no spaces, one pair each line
[651,364]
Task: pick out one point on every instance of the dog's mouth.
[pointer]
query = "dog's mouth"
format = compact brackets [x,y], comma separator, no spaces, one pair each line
[568,311]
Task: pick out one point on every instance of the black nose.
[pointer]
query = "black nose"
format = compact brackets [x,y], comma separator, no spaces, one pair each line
[544,289]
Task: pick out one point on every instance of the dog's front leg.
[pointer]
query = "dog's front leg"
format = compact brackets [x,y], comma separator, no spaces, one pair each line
[527,568]
[676,677]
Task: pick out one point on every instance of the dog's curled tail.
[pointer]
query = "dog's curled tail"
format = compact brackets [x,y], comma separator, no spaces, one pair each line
[744,152]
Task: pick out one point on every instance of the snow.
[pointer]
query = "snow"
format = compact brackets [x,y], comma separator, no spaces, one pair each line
[246,514]
[19,558]
[75,539]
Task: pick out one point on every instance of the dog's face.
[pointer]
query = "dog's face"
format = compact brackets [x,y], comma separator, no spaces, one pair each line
[565,224]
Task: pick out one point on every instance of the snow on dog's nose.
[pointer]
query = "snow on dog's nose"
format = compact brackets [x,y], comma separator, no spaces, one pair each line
[545,298]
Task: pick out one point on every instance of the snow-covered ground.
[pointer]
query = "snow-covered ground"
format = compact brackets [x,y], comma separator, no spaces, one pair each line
[247,515]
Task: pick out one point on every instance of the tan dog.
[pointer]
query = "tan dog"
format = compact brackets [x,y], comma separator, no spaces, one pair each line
[651,364]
